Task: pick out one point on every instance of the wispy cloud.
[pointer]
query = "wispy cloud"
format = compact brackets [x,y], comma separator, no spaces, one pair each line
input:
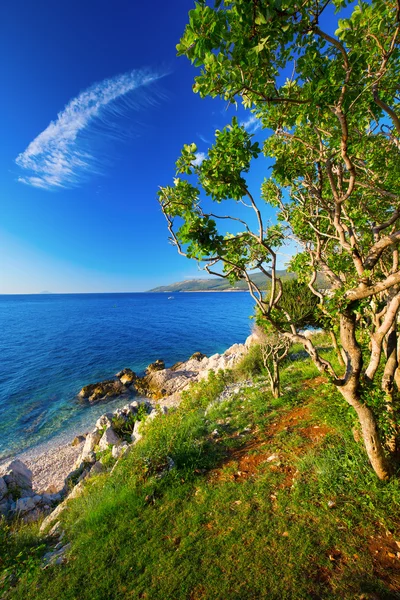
[62,154]
[204,139]
[251,124]
[200,156]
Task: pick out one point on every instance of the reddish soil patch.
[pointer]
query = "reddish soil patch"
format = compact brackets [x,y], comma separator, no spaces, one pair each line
[256,452]
[317,381]
[293,419]
[315,433]
[385,553]
[289,420]
[247,458]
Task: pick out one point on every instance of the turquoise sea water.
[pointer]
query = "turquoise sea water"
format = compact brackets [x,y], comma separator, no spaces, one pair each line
[52,345]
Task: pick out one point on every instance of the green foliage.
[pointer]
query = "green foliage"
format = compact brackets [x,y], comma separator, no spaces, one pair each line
[297,301]
[251,364]
[123,426]
[330,121]
[21,551]
[329,109]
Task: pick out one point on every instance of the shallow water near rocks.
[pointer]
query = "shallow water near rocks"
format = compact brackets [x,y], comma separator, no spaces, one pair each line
[53,345]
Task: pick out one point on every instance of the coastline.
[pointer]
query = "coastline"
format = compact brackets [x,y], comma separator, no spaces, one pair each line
[52,461]
[51,466]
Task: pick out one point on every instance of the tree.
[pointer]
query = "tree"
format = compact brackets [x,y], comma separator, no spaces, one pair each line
[329,104]
[274,349]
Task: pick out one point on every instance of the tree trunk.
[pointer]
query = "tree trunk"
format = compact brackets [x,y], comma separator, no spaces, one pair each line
[276,391]
[273,372]
[390,389]
[371,438]
[350,390]
[338,350]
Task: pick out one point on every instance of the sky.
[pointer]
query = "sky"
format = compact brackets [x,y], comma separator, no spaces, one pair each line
[94,109]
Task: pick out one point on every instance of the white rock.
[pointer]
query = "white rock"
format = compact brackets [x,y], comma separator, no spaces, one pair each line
[104,421]
[118,451]
[51,498]
[120,412]
[137,426]
[56,530]
[76,491]
[91,458]
[252,339]
[57,557]
[91,441]
[18,478]
[53,516]
[109,438]
[3,488]
[97,468]
[24,505]
[235,349]
[136,435]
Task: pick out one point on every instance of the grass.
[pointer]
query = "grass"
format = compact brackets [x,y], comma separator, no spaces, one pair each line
[228,521]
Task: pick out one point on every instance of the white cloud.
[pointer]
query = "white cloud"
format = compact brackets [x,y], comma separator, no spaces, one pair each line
[204,139]
[200,156]
[251,124]
[60,156]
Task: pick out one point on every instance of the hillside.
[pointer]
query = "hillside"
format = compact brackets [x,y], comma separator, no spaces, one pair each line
[261,498]
[216,284]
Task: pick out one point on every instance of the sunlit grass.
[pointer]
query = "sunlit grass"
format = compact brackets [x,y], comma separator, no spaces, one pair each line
[297,526]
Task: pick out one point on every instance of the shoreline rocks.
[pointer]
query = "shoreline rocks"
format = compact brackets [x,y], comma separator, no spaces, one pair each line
[113,435]
[110,388]
[102,390]
[17,497]
[166,384]
[126,376]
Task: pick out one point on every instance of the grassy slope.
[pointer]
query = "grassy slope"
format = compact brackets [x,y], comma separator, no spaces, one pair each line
[226,522]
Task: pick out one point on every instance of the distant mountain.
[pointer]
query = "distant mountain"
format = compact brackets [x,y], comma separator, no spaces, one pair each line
[215,284]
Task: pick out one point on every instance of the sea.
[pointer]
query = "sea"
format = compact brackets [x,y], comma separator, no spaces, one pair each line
[51,345]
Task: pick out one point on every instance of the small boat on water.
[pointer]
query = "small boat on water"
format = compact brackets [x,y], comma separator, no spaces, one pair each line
[170,297]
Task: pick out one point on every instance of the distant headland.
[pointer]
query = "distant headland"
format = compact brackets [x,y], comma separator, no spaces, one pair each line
[215,284]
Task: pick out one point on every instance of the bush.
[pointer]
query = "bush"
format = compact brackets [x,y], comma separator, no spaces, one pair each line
[251,364]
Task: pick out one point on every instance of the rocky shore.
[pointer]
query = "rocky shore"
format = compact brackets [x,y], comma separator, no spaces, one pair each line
[32,486]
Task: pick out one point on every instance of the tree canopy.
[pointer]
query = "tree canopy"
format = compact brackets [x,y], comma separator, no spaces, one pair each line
[328,102]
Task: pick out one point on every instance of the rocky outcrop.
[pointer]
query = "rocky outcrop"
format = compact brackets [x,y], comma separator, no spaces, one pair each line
[111,430]
[111,388]
[18,478]
[158,365]
[102,438]
[109,438]
[160,382]
[198,356]
[126,376]
[103,390]
[167,384]
[17,498]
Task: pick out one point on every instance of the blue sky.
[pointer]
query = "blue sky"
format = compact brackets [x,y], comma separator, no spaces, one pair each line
[94,109]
